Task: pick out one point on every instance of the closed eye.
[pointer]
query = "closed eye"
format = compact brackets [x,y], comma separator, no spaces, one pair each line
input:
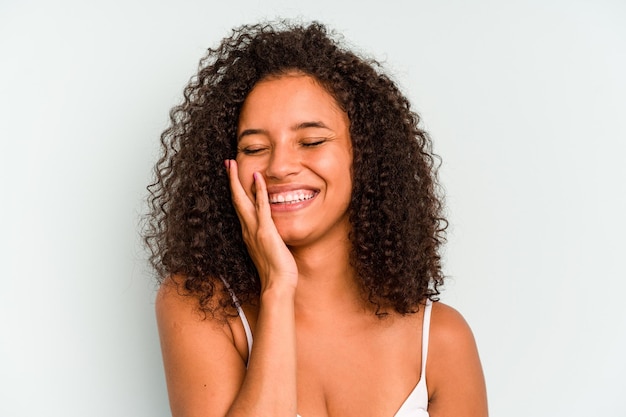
[313,142]
[251,150]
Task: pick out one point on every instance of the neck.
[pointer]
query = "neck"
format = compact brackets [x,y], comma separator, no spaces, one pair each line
[326,280]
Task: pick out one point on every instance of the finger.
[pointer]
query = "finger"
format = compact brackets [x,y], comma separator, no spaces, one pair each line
[243,205]
[262,203]
[262,199]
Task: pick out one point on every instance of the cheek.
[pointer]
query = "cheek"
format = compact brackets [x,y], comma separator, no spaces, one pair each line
[346,175]
[245,174]
[247,168]
[339,166]
[339,170]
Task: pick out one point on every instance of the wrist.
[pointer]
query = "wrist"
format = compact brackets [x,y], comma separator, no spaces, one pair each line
[277,292]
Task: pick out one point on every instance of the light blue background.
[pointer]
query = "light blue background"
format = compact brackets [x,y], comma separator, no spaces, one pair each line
[525,101]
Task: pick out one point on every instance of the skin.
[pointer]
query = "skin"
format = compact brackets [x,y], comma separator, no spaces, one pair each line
[318,348]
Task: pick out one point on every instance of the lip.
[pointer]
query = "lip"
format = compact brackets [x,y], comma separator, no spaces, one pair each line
[284,188]
[281,207]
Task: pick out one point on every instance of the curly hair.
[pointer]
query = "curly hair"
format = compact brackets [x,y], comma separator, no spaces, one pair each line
[397,225]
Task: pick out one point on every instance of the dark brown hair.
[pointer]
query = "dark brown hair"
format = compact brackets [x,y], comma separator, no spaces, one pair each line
[395,212]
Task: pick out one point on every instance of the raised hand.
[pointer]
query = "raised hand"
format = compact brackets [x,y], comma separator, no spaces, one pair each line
[273,260]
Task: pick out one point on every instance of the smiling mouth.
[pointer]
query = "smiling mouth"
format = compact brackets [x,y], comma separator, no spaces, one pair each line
[291,197]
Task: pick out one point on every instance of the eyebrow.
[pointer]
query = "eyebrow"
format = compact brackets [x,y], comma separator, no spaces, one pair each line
[305,125]
[299,126]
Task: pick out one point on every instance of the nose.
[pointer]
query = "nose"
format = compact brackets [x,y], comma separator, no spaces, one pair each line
[284,162]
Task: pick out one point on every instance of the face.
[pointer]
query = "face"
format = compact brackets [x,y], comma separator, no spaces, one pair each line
[292,132]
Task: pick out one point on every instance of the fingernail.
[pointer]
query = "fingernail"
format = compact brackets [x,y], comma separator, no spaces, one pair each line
[227,163]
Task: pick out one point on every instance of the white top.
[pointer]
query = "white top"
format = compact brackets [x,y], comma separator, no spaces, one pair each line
[416,404]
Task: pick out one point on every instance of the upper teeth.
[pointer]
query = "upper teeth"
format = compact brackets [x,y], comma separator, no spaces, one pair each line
[291,197]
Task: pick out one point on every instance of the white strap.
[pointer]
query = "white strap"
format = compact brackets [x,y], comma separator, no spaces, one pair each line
[425,333]
[246,326]
[242,316]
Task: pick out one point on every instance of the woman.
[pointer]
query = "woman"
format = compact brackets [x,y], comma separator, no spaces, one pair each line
[296,227]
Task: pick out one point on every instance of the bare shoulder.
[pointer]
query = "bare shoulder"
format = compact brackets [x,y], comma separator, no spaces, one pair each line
[183,326]
[170,300]
[173,301]
[448,327]
[456,382]
[203,367]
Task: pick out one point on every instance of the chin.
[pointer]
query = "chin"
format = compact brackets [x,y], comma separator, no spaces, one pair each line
[292,238]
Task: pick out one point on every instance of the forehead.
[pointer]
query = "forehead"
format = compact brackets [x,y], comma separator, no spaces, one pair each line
[291,96]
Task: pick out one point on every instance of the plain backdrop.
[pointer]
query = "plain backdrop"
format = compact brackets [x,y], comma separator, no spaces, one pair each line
[525,102]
